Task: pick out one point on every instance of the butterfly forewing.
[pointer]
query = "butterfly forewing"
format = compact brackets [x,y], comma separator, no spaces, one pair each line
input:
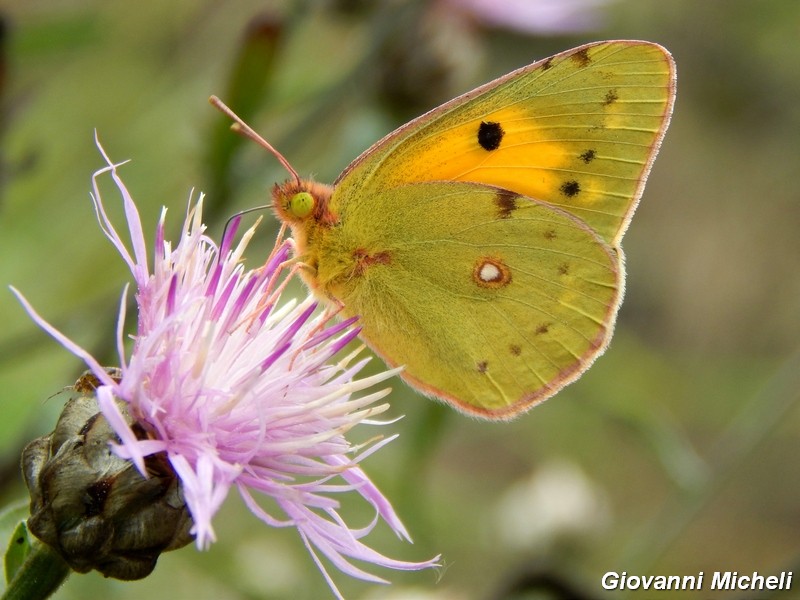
[579,130]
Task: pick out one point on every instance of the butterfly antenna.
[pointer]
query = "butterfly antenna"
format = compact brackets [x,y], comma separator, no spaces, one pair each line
[244,129]
[241,213]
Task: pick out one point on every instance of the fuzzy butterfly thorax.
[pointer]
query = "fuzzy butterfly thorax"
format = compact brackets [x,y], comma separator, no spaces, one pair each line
[304,205]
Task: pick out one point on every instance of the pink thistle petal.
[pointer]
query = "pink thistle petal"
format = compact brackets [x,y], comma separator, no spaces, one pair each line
[139,266]
[77,350]
[230,232]
[329,332]
[115,418]
[542,17]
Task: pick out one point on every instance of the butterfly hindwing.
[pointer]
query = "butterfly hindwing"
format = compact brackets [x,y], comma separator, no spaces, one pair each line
[491,300]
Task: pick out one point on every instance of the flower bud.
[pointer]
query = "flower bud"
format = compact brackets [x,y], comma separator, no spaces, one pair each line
[94,507]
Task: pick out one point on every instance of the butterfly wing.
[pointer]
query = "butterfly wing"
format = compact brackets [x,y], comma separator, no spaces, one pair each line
[480,242]
[578,130]
[491,300]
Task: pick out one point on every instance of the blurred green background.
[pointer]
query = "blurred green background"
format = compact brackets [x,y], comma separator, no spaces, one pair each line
[676,453]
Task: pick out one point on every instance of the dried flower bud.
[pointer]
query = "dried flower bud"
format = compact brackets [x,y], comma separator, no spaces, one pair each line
[94,507]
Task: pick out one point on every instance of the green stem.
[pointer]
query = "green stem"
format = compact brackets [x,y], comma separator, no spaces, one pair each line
[40,575]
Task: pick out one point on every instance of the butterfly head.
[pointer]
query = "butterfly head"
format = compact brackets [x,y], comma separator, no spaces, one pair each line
[301,201]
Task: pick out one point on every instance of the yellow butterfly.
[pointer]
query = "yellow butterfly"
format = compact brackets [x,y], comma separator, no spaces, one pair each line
[480,243]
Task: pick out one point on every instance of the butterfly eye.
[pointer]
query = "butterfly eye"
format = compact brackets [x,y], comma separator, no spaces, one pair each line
[301,204]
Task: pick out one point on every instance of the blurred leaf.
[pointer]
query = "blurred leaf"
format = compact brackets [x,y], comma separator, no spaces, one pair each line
[11,519]
[19,547]
[244,92]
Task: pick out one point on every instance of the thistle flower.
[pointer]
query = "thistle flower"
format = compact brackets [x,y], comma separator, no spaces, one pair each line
[237,389]
[541,17]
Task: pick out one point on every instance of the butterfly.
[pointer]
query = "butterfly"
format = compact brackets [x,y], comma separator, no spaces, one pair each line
[480,243]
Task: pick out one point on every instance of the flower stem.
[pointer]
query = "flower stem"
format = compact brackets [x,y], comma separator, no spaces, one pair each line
[40,575]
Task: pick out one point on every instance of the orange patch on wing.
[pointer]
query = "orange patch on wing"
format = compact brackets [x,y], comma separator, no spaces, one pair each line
[364,259]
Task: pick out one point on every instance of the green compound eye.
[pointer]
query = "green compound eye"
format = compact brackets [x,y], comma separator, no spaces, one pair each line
[301,204]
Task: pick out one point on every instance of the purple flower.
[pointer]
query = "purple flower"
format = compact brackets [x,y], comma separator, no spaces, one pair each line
[545,17]
[238,388]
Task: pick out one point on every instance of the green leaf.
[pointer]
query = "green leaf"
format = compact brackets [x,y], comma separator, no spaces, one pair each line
[10,518]
[19,547]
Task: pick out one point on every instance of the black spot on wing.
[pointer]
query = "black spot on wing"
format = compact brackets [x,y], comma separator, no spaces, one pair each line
[582,58]
[611,97]
[588,156]
[506,203]
[490,134]
[570,188]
